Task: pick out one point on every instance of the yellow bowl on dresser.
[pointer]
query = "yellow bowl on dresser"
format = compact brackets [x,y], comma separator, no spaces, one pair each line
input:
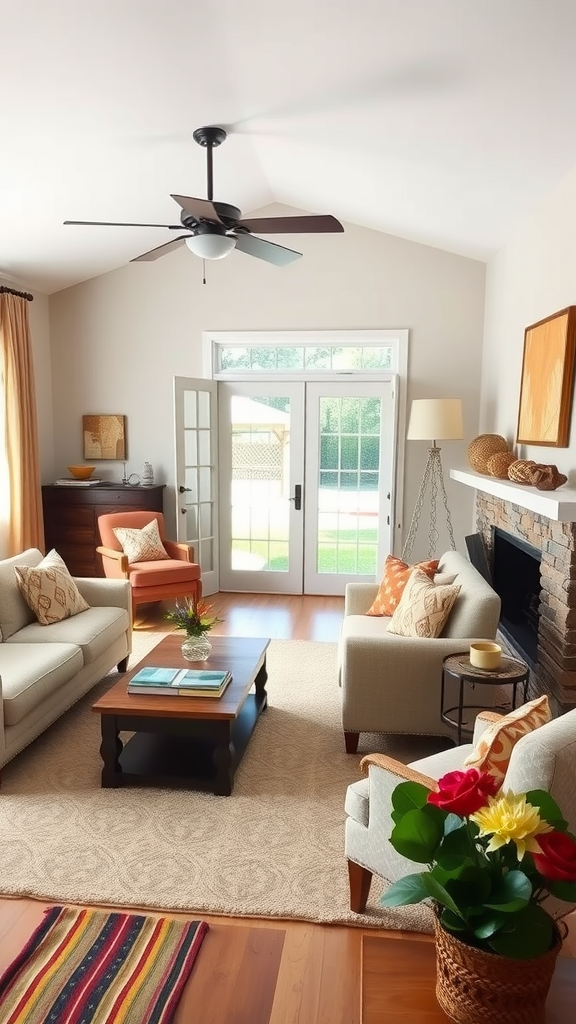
[81,472]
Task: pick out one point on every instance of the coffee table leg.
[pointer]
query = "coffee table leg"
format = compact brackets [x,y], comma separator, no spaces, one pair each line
[223,758]
[260,684]
[110,750]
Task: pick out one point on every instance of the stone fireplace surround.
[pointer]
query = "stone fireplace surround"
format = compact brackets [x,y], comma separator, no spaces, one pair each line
[547,521]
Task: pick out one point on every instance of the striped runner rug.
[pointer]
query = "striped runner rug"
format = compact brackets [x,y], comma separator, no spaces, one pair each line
[94,967]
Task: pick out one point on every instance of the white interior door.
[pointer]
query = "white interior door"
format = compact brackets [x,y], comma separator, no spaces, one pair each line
[196,447]
[305,484]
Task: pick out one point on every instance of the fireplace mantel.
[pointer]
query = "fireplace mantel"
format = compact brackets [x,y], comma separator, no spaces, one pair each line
[559,505]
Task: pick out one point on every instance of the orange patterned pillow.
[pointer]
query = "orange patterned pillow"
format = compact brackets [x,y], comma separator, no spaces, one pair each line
[494,748]
[396,576]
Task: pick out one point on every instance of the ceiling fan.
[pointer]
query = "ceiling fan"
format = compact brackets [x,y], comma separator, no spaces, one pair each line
[214,229]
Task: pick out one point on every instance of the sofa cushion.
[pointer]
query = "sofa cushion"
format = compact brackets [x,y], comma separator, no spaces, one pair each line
[30,673]
[396,575]
[14,612]
[493,750]
[141,545]
[93,631]
[424,607]
[49,589]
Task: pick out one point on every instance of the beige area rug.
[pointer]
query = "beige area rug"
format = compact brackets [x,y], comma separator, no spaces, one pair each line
[273,848]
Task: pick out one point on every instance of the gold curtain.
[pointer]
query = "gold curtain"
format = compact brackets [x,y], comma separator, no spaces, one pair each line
[26,529]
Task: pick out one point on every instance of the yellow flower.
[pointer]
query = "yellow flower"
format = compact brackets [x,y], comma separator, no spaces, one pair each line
[508,818]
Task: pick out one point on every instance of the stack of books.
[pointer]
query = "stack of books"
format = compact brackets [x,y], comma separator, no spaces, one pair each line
[183,682]
[70,481]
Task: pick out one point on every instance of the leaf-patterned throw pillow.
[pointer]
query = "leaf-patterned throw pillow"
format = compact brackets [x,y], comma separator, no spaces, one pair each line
[49,589]
[494,747]
[141,545]
[424,607]
[396,575]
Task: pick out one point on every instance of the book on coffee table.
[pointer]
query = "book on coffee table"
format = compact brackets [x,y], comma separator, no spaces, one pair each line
[188,682]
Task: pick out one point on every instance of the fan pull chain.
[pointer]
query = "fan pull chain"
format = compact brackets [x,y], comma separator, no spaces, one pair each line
[203,271]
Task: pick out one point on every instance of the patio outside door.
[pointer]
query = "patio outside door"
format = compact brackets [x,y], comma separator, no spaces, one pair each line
[305,474]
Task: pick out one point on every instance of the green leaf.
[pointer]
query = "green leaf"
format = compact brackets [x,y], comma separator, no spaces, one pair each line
[410,889]
[453,922]
[562,890]
[452,822]
[439,893]
[511,893]
[548,808]
[417,836]
[490,922]
[409,796]
[456,842]
[529,933]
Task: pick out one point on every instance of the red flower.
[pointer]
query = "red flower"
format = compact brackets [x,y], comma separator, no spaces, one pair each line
[463,793]
[558,858]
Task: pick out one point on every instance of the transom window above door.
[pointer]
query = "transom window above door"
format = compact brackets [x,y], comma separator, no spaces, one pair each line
[304,353]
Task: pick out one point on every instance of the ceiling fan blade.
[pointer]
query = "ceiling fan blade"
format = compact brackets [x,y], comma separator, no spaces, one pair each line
[268,251]
[160,250]
[280,225]
[200,209]
[122,224]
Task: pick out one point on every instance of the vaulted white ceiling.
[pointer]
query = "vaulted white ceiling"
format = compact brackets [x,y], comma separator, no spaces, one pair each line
[441,121]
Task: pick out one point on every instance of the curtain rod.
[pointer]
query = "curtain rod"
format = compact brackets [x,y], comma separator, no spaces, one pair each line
[12,291]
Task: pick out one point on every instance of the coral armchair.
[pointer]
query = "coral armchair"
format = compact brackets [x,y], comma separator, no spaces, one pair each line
[158,580]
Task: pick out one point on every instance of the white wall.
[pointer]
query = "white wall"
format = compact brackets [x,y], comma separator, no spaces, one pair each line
[118,340]
[530,278]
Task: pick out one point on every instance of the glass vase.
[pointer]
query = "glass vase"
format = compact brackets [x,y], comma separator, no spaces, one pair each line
[196,648]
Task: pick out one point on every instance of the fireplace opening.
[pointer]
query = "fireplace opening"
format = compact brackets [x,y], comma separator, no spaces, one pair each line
[516,579]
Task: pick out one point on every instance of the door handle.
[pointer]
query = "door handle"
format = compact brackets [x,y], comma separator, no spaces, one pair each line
[183,490]
[297,498]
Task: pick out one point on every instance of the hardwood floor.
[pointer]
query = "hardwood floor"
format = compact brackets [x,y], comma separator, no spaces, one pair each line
[258,971]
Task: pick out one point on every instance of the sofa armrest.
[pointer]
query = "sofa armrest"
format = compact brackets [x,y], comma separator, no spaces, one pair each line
[105,593]
[182,552]
[358,597]
[401,772]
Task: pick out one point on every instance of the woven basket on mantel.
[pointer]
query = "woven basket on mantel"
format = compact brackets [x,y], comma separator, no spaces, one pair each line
[482,447]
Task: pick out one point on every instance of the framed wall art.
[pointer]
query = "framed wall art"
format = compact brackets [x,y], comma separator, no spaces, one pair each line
[104,437]
[547,381]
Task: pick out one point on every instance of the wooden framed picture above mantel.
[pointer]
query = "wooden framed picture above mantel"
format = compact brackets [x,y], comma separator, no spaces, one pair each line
[547,381]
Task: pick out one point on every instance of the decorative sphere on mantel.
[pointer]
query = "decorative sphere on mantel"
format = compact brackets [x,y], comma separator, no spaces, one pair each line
[482,447]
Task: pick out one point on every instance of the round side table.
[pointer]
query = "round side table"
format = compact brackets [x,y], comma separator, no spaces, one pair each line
[458,666]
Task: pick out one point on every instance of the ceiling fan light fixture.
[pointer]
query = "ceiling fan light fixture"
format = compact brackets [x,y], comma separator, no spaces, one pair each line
[211,247]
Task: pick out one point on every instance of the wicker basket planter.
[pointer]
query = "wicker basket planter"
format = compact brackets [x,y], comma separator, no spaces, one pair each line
[475,987]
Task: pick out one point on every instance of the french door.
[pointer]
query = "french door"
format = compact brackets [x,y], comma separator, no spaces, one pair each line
[305,483]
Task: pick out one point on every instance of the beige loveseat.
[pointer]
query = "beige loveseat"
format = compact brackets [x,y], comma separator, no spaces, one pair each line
[45,669]
[390,683]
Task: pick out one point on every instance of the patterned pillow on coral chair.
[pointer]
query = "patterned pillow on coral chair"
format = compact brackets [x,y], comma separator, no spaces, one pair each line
[396,576]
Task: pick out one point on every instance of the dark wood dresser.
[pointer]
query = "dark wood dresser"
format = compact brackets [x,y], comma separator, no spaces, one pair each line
[71,519]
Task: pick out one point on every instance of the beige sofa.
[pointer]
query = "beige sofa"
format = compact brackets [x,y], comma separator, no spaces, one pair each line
[390,683]
[45,669]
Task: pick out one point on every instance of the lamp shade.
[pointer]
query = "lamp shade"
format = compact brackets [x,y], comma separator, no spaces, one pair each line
[437,419]
[211,246]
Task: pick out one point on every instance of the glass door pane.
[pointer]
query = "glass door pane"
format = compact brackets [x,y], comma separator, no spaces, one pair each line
[261,435]
[348,483]
[196,428]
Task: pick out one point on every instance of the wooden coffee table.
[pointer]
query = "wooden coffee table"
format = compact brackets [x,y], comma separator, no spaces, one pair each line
[195,742]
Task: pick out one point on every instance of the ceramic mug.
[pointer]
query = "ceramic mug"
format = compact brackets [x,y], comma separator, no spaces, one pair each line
[485,654]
